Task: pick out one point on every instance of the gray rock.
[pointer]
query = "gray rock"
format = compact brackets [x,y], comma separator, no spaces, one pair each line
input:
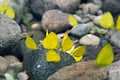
[93,9]
[110,33]
[80,71]
[38,35]
[79,12]
[115,39]
[90,39]
[38,68]
[84,20]
[98,2]
[85,8]
[41,6]
[90,24]
[96,20]
[78,18]
[68,6]
[114,71]
[91,17]
[112,6]
[100,12]
[80,30]
[55,20]
[89,8]
[10,33]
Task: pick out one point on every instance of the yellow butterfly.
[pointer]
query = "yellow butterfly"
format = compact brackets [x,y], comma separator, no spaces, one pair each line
[5,9]
[118,23]
[106,21]
[78,53]
[52,56]
[10,12]
[3,5]
[72,21]
[105,56]
[30,43]
[67,43]
[51,41]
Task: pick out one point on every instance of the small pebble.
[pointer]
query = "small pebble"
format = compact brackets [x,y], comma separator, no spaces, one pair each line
[36,26]
[84,20]
[22,76]
[91,17]
[90,39]
[78,18]
[93,9]
[3,65]
[97,20]
[29,16]
[90,24]
[98,2]
[79,12]
[85,8]
[100,12]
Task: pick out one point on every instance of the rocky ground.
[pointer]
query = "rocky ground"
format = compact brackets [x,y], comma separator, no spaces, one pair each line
[34,17]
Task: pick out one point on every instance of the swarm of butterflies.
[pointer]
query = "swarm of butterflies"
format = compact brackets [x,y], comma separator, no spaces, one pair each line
[5,8]
[104,58]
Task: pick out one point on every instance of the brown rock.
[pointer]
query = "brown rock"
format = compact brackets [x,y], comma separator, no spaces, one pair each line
[3,65]
[13,61]
[55,20]
[80,71]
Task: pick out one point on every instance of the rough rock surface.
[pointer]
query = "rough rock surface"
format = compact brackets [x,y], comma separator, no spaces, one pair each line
[41,6]
[55,20]
[10,32]
[114,71]
[68,6]
[108,6]
[38,68]
[80,71]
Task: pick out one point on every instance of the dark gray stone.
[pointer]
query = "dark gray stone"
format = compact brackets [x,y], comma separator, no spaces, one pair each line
[111,5]
[80,30]
[115,39]
[41,6]
[9,33]
[38,68]
[68,6]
